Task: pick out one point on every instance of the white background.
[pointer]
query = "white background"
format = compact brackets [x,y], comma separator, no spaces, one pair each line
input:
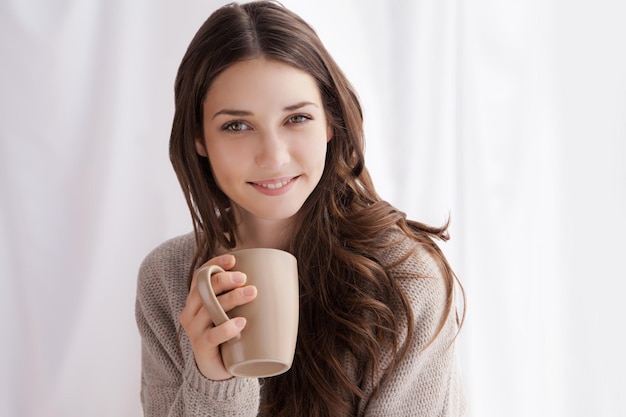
[509,116]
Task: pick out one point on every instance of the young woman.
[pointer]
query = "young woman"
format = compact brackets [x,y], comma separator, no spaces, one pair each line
[267,143]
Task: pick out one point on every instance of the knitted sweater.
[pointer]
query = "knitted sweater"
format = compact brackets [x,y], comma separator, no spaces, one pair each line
[426,383]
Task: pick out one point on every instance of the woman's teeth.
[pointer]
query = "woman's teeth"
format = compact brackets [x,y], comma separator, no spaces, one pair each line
[275,185]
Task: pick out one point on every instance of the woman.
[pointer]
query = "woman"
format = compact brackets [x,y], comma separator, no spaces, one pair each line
[267,143]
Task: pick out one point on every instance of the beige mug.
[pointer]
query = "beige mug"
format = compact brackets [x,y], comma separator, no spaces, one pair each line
[266,346]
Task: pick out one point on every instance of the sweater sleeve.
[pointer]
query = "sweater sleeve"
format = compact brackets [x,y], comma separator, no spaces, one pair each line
[427,381]
[171,384]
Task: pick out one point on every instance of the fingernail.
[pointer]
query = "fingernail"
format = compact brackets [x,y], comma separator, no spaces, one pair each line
[239,278]
[225,260]
[239,322]
[249,291]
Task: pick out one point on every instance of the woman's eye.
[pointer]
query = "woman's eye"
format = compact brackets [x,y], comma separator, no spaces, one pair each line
[236,126]
[298,118]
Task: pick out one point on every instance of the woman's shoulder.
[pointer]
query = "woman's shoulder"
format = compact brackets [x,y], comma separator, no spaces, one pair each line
[406,257]
[419,272]
[166,266]
[176,251]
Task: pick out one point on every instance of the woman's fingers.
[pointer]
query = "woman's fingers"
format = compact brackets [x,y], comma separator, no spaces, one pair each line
[195,312]
[231,291]
[237,297]
[215,336]
[224,261]
[206,352]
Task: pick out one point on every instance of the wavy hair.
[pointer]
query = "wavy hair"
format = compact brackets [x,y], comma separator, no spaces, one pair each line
[346,294]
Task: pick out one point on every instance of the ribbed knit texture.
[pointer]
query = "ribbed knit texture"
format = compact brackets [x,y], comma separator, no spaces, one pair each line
[426,383]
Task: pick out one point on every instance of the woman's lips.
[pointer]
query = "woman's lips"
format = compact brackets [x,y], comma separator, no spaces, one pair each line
[275,186]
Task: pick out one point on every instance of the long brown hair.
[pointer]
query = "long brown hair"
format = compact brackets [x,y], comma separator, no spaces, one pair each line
[346,294]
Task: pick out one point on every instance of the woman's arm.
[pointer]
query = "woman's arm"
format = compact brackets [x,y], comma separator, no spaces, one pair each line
[427,381]
[171,384]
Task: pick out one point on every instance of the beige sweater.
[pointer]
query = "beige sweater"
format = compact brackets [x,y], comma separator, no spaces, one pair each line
[426,383]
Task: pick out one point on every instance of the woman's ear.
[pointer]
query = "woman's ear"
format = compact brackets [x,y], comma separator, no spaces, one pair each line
[329,133]
[200,148]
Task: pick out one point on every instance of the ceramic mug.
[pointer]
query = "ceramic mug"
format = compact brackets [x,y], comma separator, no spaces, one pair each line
[266,346]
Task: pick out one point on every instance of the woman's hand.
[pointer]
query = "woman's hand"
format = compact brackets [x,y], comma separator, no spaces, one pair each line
[205,338]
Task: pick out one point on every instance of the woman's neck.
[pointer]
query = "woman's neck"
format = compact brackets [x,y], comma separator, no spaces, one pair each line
[253,232]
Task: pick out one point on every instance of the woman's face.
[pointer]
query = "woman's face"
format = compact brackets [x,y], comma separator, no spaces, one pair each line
[265,135]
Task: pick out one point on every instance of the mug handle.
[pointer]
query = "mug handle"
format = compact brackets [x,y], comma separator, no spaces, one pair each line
[203,281]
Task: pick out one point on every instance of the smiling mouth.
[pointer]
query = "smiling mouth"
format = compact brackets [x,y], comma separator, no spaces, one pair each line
[275,184]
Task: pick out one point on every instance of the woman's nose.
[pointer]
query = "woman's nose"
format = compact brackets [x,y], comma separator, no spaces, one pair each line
[273,151]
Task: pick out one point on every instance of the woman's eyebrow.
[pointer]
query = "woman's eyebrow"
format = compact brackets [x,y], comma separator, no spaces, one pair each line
[300,105]
[231,112]
[234,112]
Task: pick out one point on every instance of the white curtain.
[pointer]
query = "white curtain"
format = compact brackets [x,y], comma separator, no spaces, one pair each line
[509,116]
